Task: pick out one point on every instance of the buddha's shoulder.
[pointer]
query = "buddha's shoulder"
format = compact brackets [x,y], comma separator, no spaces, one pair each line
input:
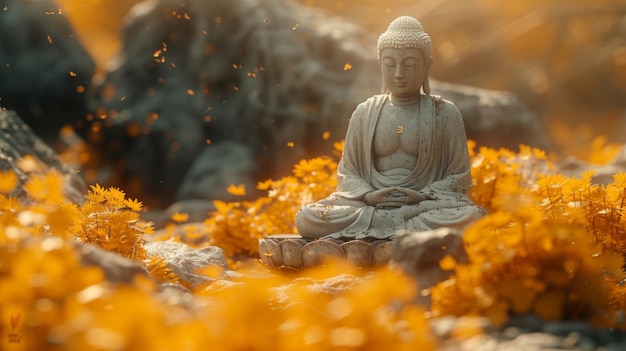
[369,105]
[374,100]
[444,107]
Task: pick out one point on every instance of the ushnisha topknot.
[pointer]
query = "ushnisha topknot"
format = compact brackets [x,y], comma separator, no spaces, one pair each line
[405,32]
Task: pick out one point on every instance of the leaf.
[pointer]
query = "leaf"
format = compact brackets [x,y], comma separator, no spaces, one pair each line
[133,205]
[8,181]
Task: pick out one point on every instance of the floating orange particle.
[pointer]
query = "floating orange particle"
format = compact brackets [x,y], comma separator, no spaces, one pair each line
[180,217]
[237,190]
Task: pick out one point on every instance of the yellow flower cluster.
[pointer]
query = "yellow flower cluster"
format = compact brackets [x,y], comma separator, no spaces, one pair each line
[111,221]
[50,301]
[551,245]
[64,305]
[237,226]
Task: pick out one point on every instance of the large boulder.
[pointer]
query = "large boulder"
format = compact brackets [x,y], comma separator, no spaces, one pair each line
[197,75]
[18,142]
[44,70]
[495,118]
[116,268]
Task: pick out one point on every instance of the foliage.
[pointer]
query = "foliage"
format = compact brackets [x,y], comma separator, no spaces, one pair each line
[237,226]
[50,301]
[551,245]
[84,312]
[111,221]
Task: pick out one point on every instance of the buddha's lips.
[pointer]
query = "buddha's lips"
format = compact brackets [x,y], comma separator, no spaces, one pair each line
[399,84]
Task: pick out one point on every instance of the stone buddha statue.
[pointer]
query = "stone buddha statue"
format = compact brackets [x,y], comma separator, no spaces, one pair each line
[405,164]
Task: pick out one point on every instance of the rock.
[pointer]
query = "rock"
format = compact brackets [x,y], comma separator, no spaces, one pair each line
[18,141]
[176,294]
[185,260]
[574,167]
[444,328]
[332,286]
[209,176]
[116,268]
[495,118]
[526,323]
[45,70]
[535,341]
[194,234]
[419,254]
[182,85]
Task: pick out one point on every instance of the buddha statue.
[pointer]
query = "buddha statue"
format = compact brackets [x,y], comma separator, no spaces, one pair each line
[405,164]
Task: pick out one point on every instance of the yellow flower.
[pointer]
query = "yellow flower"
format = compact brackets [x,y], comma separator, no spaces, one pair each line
[8,181]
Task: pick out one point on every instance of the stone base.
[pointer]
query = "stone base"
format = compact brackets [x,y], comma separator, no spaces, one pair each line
[294,252]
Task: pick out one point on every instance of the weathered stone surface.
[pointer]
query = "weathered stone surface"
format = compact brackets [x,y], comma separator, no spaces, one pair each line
[381,253]
[332,286]
[291,251]
[316,252]
[526,332]
[43,66]
[495,118]
[271,253]
[188,84]
[17,141]
[419,254]
[209,176]
[358,252]
[116,268]
[574,167]
[185,260]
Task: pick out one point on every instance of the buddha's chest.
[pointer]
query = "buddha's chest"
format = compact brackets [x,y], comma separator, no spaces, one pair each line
[396,131]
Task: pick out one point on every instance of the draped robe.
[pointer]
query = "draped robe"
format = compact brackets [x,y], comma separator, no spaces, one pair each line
[442,173]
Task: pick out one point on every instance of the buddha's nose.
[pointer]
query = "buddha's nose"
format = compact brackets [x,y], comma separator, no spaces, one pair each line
[399,73]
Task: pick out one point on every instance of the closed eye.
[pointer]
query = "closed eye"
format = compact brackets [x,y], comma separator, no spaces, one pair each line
[410,62]
[389,62]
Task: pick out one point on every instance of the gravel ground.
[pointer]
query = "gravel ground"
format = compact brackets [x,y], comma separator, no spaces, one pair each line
[525,333]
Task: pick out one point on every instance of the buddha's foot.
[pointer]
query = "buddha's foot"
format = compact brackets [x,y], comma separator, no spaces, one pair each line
[291,251]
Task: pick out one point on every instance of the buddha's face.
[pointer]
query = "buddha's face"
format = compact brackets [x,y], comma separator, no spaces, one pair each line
[403,71]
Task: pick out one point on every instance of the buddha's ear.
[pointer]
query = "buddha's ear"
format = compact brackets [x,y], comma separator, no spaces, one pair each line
[425,83]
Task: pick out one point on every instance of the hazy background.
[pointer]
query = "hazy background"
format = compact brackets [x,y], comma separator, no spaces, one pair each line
[565,59]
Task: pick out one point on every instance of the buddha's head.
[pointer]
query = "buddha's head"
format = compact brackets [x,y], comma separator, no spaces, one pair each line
[404,54]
